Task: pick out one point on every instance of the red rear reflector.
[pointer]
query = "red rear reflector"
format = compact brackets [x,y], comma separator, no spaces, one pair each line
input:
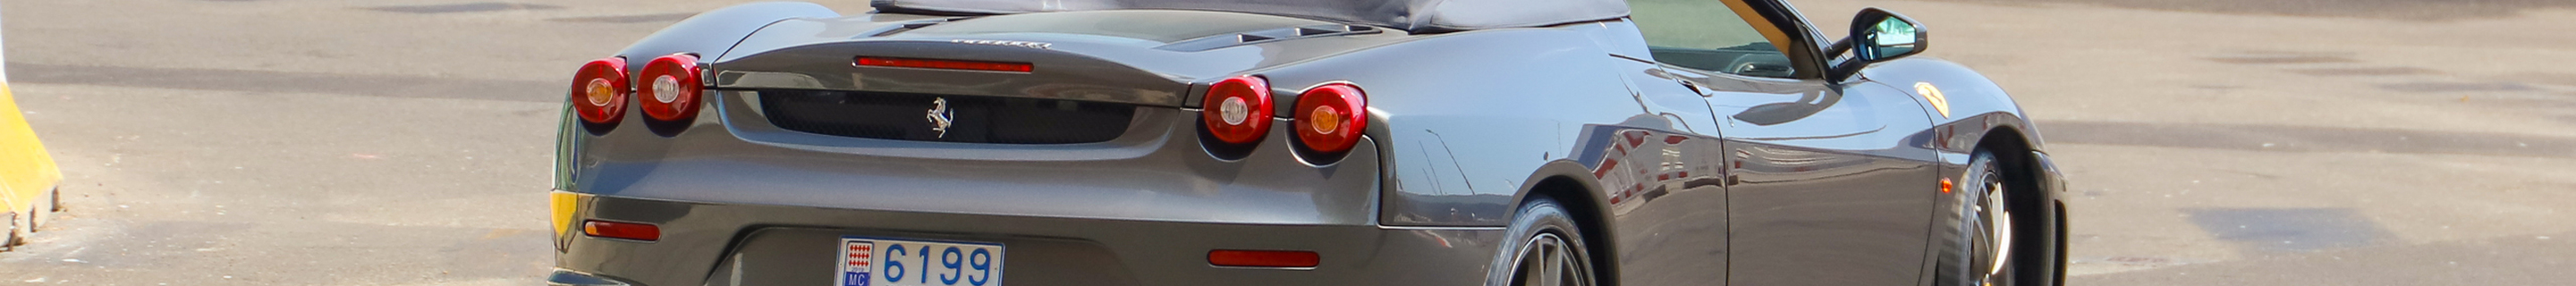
[1263,258]
[622,230]
[945,64]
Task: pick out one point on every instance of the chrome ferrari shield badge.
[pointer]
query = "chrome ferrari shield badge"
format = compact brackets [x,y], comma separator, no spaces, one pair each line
[1933,94]
[940,116]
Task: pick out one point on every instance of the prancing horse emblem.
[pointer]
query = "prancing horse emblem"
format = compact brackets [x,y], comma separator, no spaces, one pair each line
[940,115]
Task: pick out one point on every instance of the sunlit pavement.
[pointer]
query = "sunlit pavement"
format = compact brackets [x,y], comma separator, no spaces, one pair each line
[2210,142]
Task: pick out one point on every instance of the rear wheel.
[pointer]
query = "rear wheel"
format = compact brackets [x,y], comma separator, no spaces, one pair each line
[1978,238]
[1548,249]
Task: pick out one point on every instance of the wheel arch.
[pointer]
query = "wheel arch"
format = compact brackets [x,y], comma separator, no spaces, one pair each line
[1572,187]
[2009,146]
[2035,183]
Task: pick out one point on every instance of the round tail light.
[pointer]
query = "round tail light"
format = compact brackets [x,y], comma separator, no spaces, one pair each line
[670,92]
[599,91]
[1329,118]
[1237,109]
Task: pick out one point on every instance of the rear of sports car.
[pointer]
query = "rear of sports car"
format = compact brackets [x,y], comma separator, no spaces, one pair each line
[1064,148]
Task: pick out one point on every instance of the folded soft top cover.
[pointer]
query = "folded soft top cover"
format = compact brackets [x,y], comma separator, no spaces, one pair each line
[1411,15]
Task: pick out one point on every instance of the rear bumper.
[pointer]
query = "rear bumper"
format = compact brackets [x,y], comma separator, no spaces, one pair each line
[733,244]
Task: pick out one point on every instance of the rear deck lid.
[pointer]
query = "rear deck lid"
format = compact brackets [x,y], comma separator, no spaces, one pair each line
[1040,78]
[1140,57]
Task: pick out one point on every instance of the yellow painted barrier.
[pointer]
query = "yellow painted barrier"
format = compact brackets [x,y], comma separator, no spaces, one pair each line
[28,176]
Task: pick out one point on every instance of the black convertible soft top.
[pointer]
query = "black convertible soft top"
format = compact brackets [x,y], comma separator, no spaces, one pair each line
[1411,15]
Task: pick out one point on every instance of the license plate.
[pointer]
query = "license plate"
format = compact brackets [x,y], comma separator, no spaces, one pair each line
[869,261]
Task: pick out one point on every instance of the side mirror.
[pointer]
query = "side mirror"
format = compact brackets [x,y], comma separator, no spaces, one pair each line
[1878,35]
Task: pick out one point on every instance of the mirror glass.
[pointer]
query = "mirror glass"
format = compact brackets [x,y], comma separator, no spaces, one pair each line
[1892,37]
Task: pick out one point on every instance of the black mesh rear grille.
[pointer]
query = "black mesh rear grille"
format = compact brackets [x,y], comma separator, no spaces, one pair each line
[973,119]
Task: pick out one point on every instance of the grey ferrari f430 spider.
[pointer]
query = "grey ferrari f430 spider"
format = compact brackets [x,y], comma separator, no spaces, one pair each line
[1296,142]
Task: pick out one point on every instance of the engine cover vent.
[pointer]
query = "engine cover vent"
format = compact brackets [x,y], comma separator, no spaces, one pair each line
[942,118]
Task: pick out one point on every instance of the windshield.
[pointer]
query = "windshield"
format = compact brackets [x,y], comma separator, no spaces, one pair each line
[1707,35]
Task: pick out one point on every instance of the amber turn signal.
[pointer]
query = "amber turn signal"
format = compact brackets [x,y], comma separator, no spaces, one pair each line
[599,90]
[1329,118]
[621,230]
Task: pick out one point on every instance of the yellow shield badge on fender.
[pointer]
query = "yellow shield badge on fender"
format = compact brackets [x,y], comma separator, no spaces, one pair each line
[1933,94]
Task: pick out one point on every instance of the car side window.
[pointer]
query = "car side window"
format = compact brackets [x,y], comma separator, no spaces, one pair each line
[1707,35]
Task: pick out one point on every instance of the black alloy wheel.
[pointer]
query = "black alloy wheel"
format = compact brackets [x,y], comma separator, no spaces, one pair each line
[1978,228]
[1550,250]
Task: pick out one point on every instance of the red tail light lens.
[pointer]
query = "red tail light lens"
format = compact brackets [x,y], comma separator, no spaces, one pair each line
[1264,258]
[1329,118]
[599,90]
[671,89]
[1237,109]
[622,230]
[945,64]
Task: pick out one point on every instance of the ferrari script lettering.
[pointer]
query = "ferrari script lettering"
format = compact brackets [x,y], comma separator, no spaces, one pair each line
[1023,44]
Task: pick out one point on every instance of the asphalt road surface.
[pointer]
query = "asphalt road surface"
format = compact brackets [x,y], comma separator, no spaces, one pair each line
[406,142]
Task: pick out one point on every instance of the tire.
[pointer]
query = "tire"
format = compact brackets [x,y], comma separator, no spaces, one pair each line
[1547,248]
[1976,235]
